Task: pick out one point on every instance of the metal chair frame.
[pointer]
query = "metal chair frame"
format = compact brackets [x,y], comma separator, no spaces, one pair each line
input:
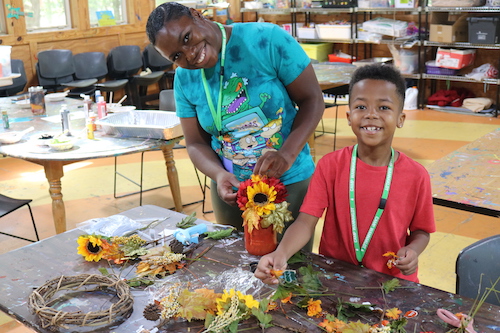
[8,205]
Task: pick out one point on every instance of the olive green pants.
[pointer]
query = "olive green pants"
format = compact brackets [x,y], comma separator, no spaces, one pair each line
[226,214]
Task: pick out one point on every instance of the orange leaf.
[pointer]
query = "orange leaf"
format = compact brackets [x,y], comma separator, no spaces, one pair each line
[391,254]
[271,306]
[276,273]
[393,313]
[332,326]
[314,308]
[287,299]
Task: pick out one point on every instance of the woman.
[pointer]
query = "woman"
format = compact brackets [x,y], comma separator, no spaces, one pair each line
[236,91]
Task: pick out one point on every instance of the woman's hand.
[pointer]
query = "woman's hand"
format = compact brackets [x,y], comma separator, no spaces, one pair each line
[225,183]
[273,164]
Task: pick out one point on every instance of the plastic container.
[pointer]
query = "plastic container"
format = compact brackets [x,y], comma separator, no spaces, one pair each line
[333,31]
[318,51]
[432,68]
[307,33]
[6,69]
[101,107]
[406,61]
[484,30]
[411,99]
[37,100]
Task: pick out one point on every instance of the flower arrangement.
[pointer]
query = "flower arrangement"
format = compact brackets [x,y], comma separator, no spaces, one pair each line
[262,200]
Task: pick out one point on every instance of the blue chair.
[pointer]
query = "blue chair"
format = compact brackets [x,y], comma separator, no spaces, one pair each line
[478,267]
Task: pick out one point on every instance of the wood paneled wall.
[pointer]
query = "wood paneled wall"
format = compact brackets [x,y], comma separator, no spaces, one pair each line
[82,38]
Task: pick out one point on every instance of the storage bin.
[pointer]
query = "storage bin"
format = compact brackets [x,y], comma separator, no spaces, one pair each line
[484,30]
[386,26]
[318,51]
[333,31]
[336,58]
[457,3]
[432,68]
[308,33]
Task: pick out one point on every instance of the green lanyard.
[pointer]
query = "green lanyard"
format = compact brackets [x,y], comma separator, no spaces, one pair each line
[217,115]
[360,252]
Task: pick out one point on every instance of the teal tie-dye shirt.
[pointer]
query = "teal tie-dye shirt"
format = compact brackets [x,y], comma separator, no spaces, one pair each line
[257,113]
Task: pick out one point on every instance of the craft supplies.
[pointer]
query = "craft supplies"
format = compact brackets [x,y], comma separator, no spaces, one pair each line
[37,100]
[5,120]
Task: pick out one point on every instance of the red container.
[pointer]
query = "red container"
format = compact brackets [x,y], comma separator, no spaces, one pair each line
[335,58]
[261,241]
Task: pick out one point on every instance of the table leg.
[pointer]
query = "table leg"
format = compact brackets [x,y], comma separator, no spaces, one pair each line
[54,172]
[172,175]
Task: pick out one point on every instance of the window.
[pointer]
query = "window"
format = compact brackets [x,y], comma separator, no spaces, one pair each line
[107,12]
[46,15]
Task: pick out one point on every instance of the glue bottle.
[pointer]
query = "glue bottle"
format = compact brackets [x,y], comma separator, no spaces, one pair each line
[411,97]
[101,107]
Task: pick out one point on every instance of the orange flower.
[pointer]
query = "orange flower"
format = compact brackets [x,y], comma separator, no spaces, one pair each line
[385,322]
[276,273]
[287,299]
[271,306]
[332,326]
[460,315]
[393,313]
[314,308]
[392,260]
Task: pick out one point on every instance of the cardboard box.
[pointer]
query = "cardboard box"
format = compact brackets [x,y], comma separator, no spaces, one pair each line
[318,51]
[446,30]
[454,59]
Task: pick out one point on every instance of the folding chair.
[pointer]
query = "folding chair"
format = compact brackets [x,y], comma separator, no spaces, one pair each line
[8,205]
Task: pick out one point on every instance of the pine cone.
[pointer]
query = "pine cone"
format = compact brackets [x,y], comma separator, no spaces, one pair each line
[176,246]
[152,312]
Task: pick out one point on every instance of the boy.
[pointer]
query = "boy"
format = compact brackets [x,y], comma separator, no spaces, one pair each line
[365,189]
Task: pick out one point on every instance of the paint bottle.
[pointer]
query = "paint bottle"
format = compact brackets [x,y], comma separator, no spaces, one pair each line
[101,107]
[92,119]
[5,120]
[65,120]
[87,105]
[90,124]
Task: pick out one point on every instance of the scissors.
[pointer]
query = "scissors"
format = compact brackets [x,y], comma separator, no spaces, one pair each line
[453,320]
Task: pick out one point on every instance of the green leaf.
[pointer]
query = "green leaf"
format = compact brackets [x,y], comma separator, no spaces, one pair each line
[297,258]
[208,319]
[398,326]
[187,222]
[104,271]
[310,280]
[219,234]
[233,327]
[304,302]
[390,285]
[263,318]
[284,289]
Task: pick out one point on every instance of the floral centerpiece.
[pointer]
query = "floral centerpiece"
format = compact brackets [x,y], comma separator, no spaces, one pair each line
[265,211]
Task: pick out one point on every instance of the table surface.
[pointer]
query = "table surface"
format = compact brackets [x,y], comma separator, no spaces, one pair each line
[331,75]
[469,178]
[27,268]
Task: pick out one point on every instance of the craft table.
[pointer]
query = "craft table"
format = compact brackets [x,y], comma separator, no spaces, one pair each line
[27,268]
[84,149]
[469,178]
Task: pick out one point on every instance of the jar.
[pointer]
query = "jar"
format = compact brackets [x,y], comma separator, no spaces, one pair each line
[260,241]
[37,100]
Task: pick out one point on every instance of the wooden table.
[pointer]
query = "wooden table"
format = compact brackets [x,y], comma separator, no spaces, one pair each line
[469,178]
[84,149]
[26,268]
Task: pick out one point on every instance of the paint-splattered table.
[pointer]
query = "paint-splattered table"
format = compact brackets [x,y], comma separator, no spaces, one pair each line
[225,264]
[469,178]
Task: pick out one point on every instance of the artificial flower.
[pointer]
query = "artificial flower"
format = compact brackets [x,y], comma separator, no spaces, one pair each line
[393,313]
[276,273]
[261,196]
[92,247]
[314,308]
[393,257]
[287,299]
[332,326]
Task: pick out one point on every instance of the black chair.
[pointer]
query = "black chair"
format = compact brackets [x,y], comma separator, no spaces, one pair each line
[19,83]
[156,62]
[56,71]
[478,268]
[90,65]
[124,62]
[8,205]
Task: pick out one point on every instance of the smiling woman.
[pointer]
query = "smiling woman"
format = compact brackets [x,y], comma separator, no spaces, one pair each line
[236,92]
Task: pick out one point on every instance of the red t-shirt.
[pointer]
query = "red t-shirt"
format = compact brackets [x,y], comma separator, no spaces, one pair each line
[408,207]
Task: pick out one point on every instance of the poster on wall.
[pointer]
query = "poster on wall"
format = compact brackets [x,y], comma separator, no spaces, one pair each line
[105,18]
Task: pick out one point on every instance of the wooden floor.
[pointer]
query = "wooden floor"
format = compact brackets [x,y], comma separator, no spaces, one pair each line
[88,189]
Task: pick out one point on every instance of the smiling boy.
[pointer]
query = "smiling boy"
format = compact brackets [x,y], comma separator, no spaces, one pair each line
[377,200]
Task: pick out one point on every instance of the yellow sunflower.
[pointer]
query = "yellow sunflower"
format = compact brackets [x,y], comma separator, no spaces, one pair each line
[91,247]
[261,198]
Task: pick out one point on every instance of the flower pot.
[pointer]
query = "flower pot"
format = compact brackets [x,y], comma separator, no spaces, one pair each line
[260,241]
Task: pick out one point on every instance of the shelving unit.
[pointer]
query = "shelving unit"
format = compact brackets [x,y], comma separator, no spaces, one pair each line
[422,17]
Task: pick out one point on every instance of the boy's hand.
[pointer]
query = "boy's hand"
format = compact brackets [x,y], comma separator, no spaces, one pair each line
[407,261]
[271,261]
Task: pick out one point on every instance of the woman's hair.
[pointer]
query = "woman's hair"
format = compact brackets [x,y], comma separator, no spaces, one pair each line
[380,72]
[162,14]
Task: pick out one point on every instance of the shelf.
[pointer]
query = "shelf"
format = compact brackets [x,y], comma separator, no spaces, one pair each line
[325,11]
[387,10]
[264,11]
[317,40]
[460,79]
[387,41]
[468,45]
[463,9]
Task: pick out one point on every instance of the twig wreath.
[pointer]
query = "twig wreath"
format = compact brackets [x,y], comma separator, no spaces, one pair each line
[40,301]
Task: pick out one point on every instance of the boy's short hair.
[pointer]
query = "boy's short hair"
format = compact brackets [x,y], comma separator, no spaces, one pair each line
[382,72]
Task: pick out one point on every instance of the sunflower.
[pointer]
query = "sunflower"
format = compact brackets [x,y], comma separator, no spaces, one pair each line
[261,196]
[91,247]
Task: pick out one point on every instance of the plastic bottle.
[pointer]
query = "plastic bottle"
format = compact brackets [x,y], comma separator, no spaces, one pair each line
[65,120]
[97,93]
[101,107]
[5,120]
[411,97]
[87,105]
[90,123]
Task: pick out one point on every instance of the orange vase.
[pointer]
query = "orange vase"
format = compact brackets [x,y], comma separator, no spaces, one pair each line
[260,241]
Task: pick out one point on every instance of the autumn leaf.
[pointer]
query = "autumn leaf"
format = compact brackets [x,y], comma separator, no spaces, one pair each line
[332,326]
[276,273]
[356,327]
[287,299]
[393,257]
[196,304]
[393,313]
[391,285]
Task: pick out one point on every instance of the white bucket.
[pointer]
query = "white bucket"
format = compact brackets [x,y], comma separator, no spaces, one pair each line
[5,68]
